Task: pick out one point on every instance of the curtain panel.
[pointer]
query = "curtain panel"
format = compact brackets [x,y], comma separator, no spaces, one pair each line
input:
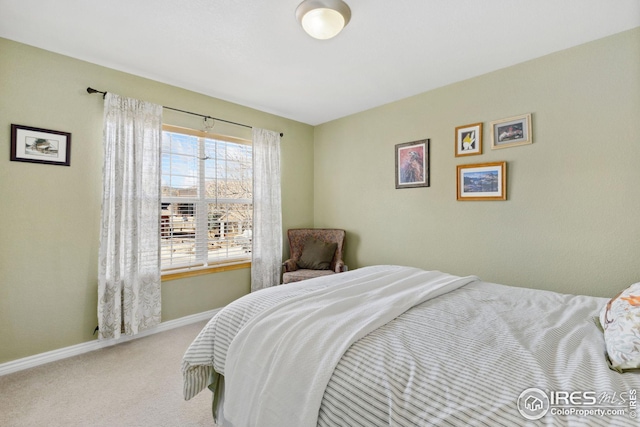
[266,263]
[129,281]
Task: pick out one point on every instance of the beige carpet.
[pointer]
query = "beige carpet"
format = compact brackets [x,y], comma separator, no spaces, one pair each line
[137,383]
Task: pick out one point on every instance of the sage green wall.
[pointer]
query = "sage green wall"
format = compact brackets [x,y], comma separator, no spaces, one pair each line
[570,223]
[51,214]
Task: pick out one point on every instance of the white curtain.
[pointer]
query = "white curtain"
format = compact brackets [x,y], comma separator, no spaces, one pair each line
[266,263]
[129,255]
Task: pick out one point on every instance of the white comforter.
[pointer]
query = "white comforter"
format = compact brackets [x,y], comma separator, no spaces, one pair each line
[461,359]
[280,362]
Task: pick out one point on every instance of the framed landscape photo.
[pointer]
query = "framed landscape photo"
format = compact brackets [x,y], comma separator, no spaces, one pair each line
[412,164]
[35,145]
[469,140]
[511,132]
[483,181]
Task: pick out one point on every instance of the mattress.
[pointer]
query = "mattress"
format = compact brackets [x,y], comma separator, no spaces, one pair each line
[481,354]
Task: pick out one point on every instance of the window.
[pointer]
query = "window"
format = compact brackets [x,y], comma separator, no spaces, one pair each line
[207,200]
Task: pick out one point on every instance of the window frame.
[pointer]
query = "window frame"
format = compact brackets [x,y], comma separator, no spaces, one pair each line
[202,262]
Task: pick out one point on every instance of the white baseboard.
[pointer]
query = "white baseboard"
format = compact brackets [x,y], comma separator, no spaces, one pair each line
[85,347]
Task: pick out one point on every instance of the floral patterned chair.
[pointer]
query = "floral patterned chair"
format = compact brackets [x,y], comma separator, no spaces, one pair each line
[314,252]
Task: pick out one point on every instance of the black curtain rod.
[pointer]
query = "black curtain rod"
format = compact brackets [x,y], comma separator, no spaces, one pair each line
[92,90]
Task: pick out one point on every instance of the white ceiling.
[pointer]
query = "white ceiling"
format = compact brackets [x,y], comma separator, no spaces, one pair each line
[254,53]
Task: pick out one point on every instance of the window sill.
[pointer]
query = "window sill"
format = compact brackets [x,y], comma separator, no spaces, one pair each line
[207,270]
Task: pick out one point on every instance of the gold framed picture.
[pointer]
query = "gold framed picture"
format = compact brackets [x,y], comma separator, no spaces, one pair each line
[469,140]
[482,181]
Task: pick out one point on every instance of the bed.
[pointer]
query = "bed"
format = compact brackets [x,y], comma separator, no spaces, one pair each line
[401,346]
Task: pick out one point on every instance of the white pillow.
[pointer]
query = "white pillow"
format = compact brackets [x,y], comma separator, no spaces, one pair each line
[620,319]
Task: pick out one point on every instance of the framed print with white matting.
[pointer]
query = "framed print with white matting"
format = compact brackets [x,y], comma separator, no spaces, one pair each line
[35,145]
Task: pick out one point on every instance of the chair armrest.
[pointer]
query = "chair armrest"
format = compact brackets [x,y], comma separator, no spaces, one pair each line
[289,265]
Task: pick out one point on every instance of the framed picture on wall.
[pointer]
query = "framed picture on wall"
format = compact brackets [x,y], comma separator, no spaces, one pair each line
[511,132]
[412,164]
[469,140]
[35,145]
[483,181]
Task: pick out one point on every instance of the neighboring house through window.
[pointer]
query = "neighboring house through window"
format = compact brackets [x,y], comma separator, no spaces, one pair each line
[207,200]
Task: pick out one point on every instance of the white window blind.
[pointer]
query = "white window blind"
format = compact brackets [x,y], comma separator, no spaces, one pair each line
[207,199]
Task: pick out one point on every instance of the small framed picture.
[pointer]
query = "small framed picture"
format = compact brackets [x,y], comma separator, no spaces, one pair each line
[412,164]
[469,140]
[35,145]
[483,181]
[511,132]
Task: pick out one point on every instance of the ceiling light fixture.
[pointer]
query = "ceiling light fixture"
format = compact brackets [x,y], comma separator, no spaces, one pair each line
[323,19]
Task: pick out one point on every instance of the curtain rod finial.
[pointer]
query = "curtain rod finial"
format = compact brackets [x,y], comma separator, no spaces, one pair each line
[92,90]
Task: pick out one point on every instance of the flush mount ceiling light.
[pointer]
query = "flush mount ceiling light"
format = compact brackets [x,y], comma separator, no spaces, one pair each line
[323,19]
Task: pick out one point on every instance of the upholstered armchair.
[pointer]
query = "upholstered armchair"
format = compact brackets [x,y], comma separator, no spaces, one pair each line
[314,252]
